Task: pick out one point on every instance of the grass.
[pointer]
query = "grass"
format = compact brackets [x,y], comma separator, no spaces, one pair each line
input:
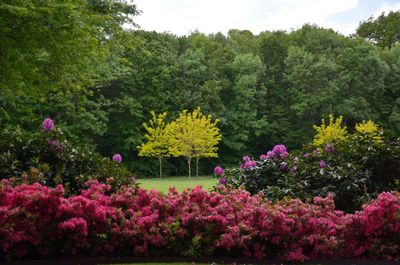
[180,183]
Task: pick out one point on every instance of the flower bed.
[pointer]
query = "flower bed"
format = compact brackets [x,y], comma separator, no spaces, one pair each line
[40,221]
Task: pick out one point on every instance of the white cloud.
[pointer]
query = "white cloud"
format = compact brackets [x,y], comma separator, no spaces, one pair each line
[208,16]
[386,7]
[293,15]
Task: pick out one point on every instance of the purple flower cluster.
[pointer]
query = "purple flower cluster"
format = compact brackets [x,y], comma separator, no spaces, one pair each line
[248,163]
[279,150]
[117,158]
[48,125]
[219,171]
[222,181]
[329,148]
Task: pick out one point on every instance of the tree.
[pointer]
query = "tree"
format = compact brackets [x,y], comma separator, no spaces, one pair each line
[194,135]
[384,30]
[157,144]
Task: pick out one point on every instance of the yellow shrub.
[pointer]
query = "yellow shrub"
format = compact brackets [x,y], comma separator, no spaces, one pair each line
[369,130]
[331,133]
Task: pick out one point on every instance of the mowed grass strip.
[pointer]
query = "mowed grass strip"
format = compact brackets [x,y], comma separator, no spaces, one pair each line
[180,183]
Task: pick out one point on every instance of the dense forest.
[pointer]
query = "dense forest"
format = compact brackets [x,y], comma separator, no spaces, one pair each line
[79,64]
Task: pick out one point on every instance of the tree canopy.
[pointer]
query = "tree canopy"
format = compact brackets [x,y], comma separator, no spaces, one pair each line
[74,61]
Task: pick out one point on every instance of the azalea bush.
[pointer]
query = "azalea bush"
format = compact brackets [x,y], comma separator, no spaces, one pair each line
[36,220]
[51,159]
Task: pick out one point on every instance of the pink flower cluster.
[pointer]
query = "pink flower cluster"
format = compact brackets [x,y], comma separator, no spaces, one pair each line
[248,163]
[39,220]
[279,151]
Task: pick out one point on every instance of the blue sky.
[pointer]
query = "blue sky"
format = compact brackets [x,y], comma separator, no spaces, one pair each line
[209,16]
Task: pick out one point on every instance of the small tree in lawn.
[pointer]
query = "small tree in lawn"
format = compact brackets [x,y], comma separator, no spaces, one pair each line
[207,140]
[193,135]
[157,144]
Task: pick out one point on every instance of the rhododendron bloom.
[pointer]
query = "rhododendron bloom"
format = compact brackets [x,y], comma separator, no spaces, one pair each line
[322,164]
[48,125]
[246,159]
[263,157]
[270,154]
[117,158]
[283,166]
[219,171]
[222,181]
[51,142]
[329,148]
[279,149]
[284,155]
[248,164]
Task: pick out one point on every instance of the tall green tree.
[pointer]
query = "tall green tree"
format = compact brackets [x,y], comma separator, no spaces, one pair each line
[383,30]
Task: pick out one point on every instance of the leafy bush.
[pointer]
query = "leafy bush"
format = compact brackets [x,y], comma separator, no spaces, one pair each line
[354,170]
[37,220]
[53,160]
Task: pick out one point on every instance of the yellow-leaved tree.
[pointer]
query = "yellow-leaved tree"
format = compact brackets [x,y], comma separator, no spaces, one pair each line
[330,133]
[194,135]
[157,137]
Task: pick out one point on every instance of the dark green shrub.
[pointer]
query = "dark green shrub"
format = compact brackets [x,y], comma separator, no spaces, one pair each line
[50,159]
[354,170]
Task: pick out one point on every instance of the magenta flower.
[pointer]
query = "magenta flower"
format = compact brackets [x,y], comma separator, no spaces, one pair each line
[270,154]
[117,158]
[248,164]
[222,181]
[322,164]
[48,125]
[246,159]
[283,167]
[315,152]
[306,155]
[284,155]
[263,157]
[329,148]
[279,149]
[51,142]
[219,171]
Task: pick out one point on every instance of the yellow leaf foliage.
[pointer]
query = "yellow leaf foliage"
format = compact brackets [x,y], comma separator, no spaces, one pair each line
[369,130]
[194,135]
[329,133]
[157,137]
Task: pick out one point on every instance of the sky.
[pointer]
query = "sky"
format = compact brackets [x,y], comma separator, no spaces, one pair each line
[181,17]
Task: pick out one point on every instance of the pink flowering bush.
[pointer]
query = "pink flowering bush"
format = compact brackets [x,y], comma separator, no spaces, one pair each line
[38,220]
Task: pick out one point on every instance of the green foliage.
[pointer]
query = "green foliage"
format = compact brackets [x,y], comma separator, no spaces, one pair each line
[355,169]
[384,30]
[75,62]
[52,160]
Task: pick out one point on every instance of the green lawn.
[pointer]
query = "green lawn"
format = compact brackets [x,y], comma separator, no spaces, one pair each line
[180,183]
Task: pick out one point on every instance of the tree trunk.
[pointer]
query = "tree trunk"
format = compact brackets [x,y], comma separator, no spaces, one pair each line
[189,160]
[197,166]
[160,160]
